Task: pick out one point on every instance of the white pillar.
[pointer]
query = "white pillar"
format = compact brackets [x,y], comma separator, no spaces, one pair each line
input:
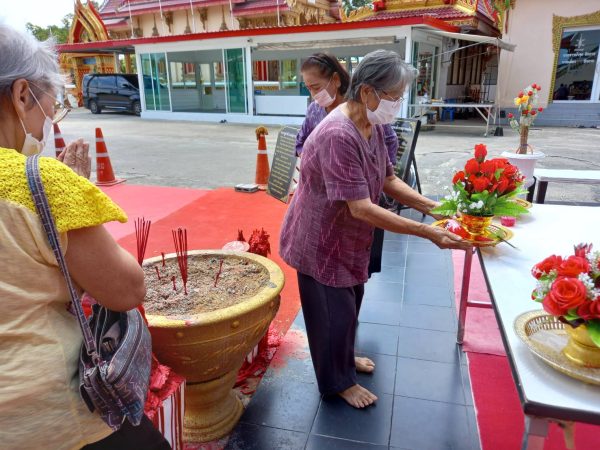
[249,81]
[408,58]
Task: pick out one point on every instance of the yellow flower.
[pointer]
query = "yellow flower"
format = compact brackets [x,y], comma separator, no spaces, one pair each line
[524,98]
[517,101]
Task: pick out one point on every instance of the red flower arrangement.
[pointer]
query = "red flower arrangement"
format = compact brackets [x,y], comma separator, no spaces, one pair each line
[569,288]
[484,188]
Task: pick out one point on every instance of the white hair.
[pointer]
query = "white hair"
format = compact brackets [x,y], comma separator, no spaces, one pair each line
[23,56]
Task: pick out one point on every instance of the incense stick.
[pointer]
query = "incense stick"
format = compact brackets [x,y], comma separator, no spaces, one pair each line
[181,248]
[142,230]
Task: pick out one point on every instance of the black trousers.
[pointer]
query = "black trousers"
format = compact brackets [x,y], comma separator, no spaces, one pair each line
[331,315]
[128,437]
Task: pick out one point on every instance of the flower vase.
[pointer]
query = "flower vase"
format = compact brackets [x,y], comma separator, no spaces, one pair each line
[525,162]
[476,225]
[580,349]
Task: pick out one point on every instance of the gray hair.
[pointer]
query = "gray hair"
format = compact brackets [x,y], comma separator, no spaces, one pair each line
[23,56]
[383,70]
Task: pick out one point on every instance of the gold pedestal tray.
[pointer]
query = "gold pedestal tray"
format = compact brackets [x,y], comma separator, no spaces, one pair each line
[496,234]
[529,323]
[524,203]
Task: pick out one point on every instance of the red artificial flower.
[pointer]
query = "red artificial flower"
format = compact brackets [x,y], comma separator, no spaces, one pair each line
[589,310]
[520,94]
[511,115]
[565,294]
[502,186]
[525,112]
[510,171]
[534,86]
[471,167]
[480,184]
[530,93]
[458,176]
[547,265]
[533,113]
[488,168]
[540,109]
[573,266]
[480,152]
[539,88]
[582,250]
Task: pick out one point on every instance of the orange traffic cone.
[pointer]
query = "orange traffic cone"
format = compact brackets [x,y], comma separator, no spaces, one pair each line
[59,142]
[104,171]
[262,160]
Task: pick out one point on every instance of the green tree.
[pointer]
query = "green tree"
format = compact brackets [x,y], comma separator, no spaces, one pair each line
[60,32]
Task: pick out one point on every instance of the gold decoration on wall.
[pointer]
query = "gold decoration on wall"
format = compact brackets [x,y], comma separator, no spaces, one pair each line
[559,24]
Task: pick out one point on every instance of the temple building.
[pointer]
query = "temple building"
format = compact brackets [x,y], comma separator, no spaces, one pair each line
[239,60]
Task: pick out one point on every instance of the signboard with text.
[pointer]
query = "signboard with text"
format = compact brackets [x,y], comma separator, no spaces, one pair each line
[283,165]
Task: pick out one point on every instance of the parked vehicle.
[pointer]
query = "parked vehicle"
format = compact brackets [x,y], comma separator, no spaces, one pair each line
[111,91]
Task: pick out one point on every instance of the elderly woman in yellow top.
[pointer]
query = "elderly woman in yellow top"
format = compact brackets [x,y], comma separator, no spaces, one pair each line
[40,406]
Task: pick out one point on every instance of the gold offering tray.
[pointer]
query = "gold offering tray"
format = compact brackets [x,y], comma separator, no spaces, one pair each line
[548,347]
[497,234]
[524,203]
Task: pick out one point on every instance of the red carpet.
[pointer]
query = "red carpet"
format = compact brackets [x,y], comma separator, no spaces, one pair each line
[499,414]
[152,202]
[481,329]
[212,219]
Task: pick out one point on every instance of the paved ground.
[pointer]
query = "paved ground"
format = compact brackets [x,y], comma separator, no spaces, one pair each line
[209,155]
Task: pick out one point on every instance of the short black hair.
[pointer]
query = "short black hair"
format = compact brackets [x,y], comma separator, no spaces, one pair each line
[327,65]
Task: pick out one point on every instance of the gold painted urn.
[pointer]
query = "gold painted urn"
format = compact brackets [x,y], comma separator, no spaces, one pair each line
[581,349]
[209,348]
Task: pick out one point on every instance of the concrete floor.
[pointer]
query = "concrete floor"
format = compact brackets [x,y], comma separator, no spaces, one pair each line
[210,155]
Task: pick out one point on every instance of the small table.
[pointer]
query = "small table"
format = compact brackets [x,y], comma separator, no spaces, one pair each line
[486,110]
[546,394]
[545,176]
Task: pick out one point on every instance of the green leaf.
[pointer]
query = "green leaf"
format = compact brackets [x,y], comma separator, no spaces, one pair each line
[497,173]
[593,327]
[572,315]
[504,208]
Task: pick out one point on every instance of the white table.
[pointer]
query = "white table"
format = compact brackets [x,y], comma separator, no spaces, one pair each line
[486,110]
[544,392]
[545,176]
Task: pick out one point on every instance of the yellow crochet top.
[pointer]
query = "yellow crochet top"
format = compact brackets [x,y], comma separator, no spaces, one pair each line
[74,201]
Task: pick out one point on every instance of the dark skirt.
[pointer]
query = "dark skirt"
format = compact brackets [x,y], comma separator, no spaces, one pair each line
[376,252]
[129,437]
[331,315]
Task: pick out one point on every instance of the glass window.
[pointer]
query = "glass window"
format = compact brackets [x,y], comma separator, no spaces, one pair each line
[106,82]
[156,89]
[575,70]
[236,80]
[276,77]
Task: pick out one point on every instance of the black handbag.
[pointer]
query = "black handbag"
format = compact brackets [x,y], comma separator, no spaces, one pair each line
[116,355]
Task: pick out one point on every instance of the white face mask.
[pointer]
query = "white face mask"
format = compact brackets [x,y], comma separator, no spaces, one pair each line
[33,146]
[385,112]
[323,98]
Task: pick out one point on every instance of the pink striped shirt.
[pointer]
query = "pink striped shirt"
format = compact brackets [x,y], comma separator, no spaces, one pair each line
[319,236]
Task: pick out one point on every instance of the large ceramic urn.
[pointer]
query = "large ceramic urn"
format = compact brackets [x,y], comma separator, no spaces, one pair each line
[208,348]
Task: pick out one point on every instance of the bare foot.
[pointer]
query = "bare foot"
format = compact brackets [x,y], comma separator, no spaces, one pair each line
[358,396]
[364,365]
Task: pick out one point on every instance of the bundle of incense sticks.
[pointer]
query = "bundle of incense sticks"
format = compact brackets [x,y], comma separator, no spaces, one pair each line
[142,230]
[181,248]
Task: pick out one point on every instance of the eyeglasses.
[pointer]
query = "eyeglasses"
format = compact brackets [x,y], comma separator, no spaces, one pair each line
[60,109]
[395,100]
